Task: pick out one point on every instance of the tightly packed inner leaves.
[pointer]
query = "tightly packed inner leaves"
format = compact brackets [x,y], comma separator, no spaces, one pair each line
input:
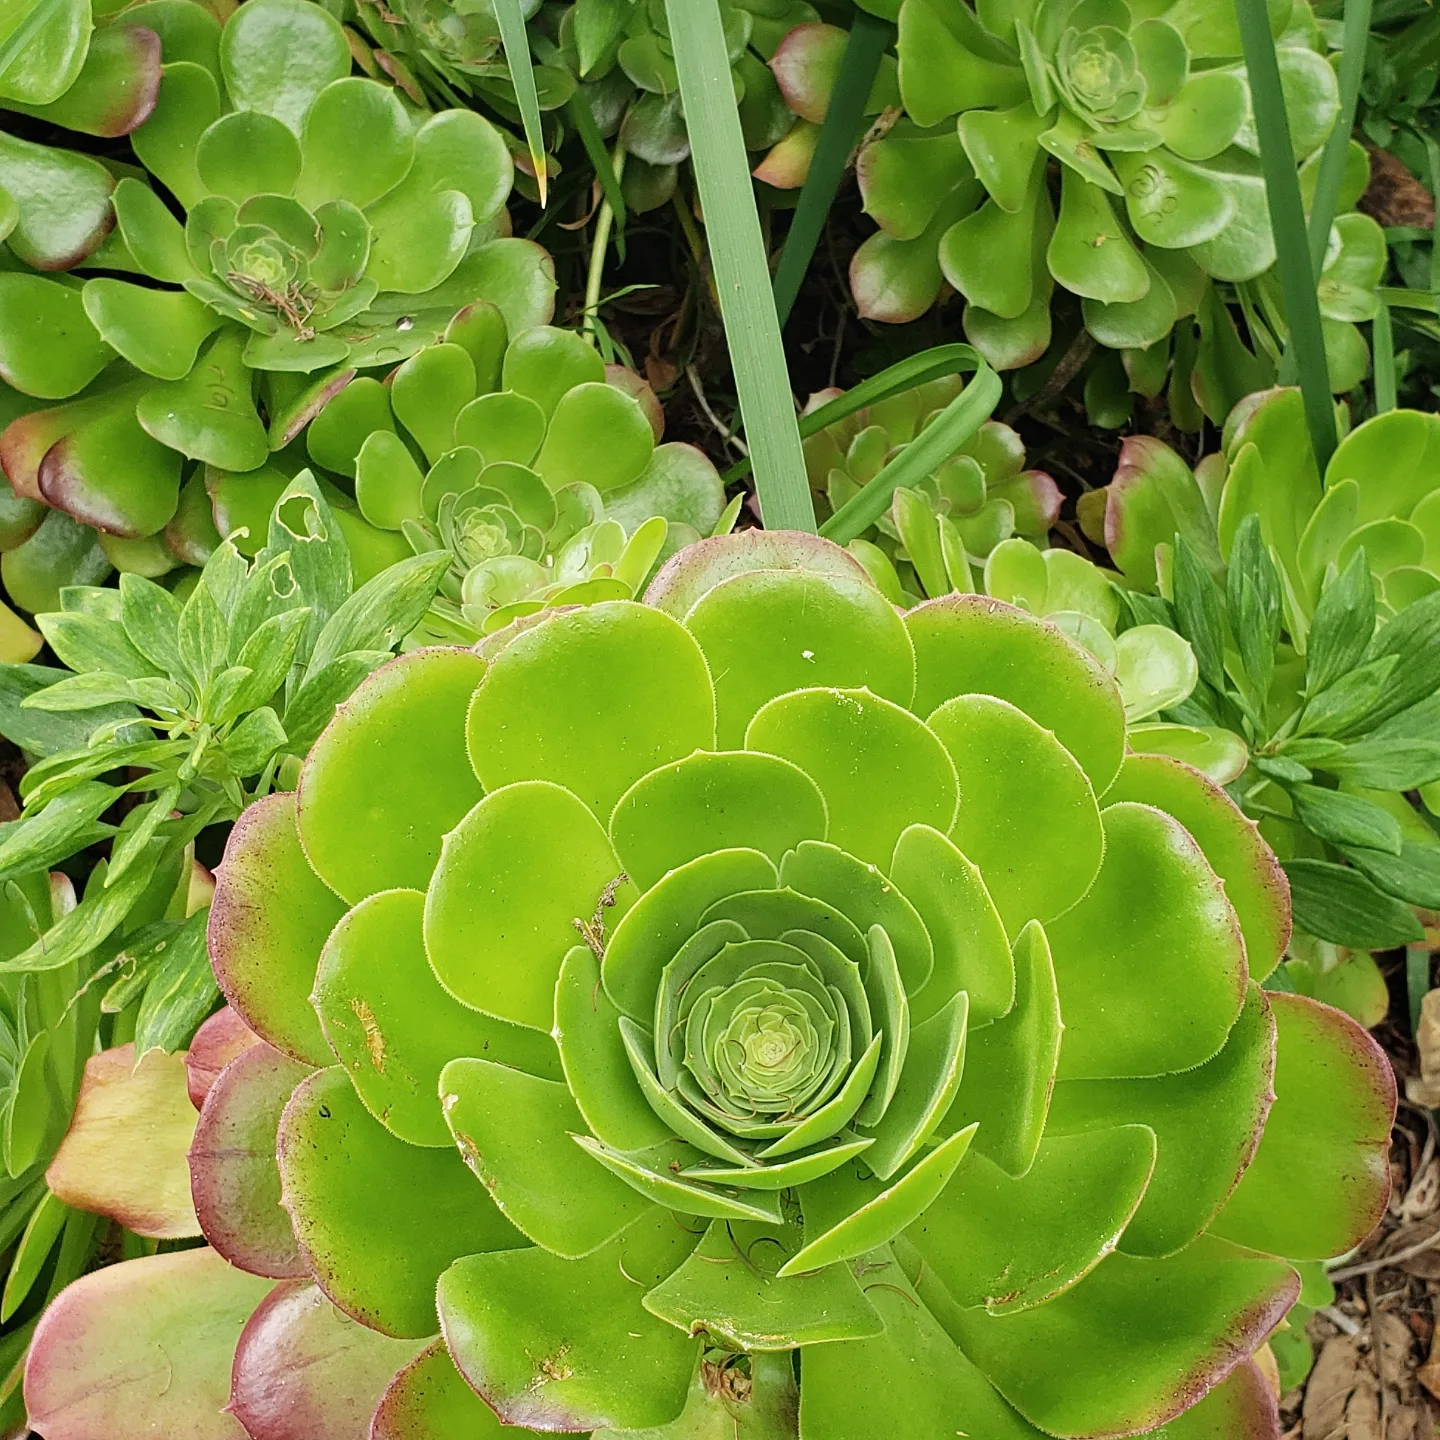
[752,1011]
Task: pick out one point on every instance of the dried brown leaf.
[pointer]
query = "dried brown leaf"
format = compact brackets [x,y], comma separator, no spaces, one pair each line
[1332,1382]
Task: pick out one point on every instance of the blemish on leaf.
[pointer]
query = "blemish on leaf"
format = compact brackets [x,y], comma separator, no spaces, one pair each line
[374,1040]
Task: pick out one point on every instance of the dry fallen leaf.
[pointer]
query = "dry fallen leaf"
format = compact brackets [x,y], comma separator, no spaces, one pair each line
[1429,1373]
[1332,1382]
[1362,1413]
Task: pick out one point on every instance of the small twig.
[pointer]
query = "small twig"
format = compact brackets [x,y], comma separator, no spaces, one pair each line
[1071,363]
[1339,1319]
[726,432]
[1369,1267]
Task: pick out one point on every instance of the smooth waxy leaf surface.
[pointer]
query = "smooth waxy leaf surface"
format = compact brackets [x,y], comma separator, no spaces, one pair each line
[567,1344]
[391,768]
[803,630]
[1009,1244]
[394,1027]
[377,1220]
[1119,1327]
[234,1177]
[1146,992]
[124,1153]
[144,1343]
[968,645]
[1331,1081]
[302,1368]
[1207,1122]
[592,700]
[270,919]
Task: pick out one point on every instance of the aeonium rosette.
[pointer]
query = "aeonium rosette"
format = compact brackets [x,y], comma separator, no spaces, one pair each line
[756,1005]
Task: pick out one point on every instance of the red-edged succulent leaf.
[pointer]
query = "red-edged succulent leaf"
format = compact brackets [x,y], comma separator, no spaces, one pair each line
[428,1400]
[895,280]
[376,1220]
[234,1176]
[217,1042]
[124,1154]
[269,921]
[141,1349]
[116,89]
[1240,1408]
[304,1371]
[1320,1180]
[1255,884]
[1036,498]
[788,162]
[1115,1355]
[1152,495]
[699,568]
[970,644]
[806,65]
[107,472]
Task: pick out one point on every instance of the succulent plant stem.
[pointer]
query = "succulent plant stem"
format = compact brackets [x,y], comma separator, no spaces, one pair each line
[604,223]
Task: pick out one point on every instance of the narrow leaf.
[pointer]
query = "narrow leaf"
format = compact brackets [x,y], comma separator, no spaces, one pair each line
[737,254]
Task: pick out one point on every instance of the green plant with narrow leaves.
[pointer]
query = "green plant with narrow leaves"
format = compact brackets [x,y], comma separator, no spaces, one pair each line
[1312,606]
[187,700]
[730,1014]
[328,231]
[1108,151]
[934,532]
[51,1021]
[208,700]
[546,482]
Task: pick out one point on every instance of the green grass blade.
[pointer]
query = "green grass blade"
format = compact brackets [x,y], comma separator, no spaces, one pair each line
[25,32]
[511,20]
[737,255]
[869,37]
[1382,342]
[1332,159]
[906,374]
[1287,220]
[584,122]
[935,444]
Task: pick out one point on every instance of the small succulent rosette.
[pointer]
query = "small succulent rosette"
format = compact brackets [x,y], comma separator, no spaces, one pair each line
[328,229]
[757,1011]
[547,482]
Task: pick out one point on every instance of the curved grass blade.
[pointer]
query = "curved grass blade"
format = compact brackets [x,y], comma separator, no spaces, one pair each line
[25,32]
[906,374]
[1332,159]
[935,444]
[869,37]
[737,254]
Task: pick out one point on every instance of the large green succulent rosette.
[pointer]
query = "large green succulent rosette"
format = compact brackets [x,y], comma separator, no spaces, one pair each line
[756,1011]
